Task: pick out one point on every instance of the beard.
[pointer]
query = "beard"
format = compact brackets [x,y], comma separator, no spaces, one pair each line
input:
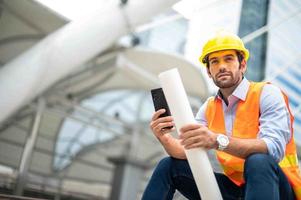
[228,81]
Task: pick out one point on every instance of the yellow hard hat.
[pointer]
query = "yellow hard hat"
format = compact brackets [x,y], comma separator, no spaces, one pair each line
[223,40]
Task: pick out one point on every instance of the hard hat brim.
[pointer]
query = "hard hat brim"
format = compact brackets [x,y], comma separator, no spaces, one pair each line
[216,49]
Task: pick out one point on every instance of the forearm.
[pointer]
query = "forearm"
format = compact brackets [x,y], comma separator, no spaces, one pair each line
[173,147]
[244,147]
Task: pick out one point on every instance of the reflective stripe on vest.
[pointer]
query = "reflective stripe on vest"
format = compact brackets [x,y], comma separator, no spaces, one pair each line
[243,127]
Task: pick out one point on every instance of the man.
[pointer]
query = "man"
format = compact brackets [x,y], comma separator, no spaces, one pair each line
[250,126]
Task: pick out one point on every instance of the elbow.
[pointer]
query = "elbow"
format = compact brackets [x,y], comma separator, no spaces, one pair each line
[276,150]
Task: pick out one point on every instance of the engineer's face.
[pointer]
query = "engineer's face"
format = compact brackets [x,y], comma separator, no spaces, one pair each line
[225,69]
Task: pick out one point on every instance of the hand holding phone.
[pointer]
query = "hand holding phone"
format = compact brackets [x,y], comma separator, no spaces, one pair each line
[160,102]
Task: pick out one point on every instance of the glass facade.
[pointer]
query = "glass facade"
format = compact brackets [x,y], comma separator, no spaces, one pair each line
[283,54]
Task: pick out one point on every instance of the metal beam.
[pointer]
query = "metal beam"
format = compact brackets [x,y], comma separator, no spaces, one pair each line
[62,52]
[97,126]
[76,138]
[51,153]
[79,107]
[23,113]
[28,150]
[91,89]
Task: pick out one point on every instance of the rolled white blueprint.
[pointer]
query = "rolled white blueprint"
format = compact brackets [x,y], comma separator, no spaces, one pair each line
[181,111]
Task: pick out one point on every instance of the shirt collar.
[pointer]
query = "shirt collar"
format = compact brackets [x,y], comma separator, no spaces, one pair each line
[241,91]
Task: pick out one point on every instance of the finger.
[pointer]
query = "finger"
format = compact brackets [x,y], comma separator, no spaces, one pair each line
[189,134]
[157,114]
[162,120]
[159,132]
[166,130]
[190,127]
[164,125]
[165,119]
[191,140]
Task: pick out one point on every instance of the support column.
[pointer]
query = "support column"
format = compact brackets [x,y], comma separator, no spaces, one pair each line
[127,178]
[129,169]
[254,15]
[28,149]
[59,191]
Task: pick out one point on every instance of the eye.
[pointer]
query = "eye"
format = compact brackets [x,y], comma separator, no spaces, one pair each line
[229,58]
[212,62]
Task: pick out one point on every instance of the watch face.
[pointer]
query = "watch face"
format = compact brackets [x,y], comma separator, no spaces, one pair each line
[223,141]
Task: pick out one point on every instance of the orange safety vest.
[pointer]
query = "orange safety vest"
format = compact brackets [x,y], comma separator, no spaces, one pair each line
[246,125]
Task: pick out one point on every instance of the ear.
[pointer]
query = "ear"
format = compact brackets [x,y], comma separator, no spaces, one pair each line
[208,72]
[243,66]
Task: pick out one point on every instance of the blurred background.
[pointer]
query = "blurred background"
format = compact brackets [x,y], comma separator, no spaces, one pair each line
[75,80]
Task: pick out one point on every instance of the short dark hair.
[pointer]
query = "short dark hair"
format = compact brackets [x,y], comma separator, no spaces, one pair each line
[240,57]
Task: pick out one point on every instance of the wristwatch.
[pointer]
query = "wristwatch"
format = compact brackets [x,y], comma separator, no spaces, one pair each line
[222,141]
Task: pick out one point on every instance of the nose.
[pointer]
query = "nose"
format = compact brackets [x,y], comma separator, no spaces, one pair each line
[222,67]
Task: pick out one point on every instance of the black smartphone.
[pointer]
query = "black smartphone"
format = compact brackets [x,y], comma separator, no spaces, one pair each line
[160,102]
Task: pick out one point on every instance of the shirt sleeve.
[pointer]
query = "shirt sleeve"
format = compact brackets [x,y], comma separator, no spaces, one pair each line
[200,116]
[274,121]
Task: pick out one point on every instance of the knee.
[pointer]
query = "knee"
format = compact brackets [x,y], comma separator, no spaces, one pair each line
[258,163]
[164,164]
[169,164]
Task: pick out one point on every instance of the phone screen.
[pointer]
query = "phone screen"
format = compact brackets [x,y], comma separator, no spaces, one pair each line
[160,102]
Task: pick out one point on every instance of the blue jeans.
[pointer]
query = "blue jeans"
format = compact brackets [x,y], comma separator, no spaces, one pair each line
[263,176]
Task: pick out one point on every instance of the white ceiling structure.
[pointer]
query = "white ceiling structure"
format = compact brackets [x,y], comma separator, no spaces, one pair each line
[96,111]
[23,23]
[83,105]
